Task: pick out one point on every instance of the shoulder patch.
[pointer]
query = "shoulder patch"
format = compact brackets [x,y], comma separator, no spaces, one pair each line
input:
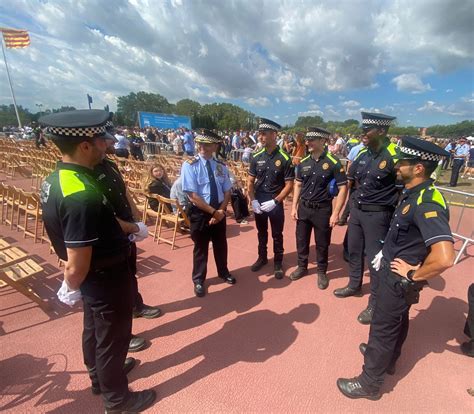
[431,195]
[70,183]
[192,160]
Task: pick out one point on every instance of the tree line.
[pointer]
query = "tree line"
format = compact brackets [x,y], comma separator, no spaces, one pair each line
[224,116]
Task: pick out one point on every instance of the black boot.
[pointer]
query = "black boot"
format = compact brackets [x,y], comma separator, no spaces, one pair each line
[365,317]
[352,388]
[261,261]
[135,403]
[298,273]
[347,291]
[278,271]
[323,281]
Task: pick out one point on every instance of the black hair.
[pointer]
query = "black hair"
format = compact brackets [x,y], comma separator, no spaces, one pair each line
[429,166]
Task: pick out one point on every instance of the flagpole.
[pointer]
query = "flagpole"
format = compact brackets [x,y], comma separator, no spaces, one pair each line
[10,83]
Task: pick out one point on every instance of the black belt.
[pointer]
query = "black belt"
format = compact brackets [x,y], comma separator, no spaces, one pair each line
[373,207]
[106,262]
[314,204]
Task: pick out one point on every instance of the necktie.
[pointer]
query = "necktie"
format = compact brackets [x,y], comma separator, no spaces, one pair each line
[212,181]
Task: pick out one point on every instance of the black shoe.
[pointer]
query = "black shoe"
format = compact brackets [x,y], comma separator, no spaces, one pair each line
[259,264]
[391,368]
[352,388]
[278,271]
[298,273]
[323,281]
[467,348]
[199,290]
[365,317]
[228,279]
[136,403]
[347,291]
[136,344]
[128,365]
[148,312]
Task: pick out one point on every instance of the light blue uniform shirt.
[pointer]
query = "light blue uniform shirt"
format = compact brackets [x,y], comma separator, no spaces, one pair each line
[461,150]
[354,151]
[196,179]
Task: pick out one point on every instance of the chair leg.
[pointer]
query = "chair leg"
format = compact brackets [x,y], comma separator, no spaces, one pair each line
[158,230]
[174,234]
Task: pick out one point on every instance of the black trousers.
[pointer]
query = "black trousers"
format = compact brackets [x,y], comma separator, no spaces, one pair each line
[138,299]
[366,231]
[201,234]
[239,205]
[347,207]
[457,165]
[277,222]
[317,219]
[108,302]
[469,327]
[388,330]
[122,152]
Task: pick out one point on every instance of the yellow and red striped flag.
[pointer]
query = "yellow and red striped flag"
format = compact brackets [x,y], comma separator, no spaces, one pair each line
[15,39]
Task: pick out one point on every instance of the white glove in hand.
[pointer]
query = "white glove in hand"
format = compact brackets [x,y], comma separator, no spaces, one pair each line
[268,206]
[68,296]
[141,234]
[256,207]
[377,261]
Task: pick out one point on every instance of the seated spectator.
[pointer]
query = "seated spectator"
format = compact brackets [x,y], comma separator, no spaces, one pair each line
[177,193]
[157,182]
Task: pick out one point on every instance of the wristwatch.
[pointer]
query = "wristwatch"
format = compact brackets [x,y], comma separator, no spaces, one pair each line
[410,274]
[276,201]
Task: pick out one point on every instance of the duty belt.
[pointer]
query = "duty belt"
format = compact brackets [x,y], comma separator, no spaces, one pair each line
[106,262]
[314,204]
[373,207]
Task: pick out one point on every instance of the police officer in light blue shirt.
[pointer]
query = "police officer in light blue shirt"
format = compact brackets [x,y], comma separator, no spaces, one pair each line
[461,153]
[206,182]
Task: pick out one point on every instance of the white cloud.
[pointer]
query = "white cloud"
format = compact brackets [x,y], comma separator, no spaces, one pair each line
[462,108]
[311,113]
[313,106]
[351,104]
[261,101]
[409,82]
[449,90]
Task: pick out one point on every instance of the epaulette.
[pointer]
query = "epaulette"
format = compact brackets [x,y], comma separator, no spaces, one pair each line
[431,195]
[305,158]
[258,152]
[193,160]
[285,155]
[333,158]
[362,151]
[393,150]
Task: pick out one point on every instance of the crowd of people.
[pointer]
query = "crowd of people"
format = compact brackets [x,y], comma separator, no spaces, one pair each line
[398,222]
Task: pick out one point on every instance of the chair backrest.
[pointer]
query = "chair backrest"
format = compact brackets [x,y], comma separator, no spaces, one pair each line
[165,202]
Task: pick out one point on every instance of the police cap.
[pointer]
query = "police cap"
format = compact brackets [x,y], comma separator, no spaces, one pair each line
[316,133]
[268,125]
[206,136]
[419,149]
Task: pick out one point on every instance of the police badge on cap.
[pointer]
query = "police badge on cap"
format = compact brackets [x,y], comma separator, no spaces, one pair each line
[205,136]
[418,149]
[267,125]
[83,123]
[376,120]
[315,133]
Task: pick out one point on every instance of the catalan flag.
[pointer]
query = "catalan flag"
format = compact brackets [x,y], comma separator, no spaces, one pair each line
[15,39]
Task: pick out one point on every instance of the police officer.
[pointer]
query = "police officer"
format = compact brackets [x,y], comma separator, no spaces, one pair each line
[460,154]
[467,348]
[111,183]
[271,176]
[312,202]
[207,184]
[418,247]
[373,174]
[86,234]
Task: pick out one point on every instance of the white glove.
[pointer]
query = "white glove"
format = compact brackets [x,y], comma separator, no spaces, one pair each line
[268,206]
[256,207]
[68,296]
[377,261]
[141,234]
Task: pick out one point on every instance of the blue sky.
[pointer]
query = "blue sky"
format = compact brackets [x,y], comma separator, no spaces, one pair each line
[277,58]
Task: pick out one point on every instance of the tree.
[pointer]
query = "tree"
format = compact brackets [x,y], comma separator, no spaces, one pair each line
[8,115]
[128,106]
[309,121]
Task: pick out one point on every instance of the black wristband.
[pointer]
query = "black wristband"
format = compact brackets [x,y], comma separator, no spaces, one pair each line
[276,201]
[410,274]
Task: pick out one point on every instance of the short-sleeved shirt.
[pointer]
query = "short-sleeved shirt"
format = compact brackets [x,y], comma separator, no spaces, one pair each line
[315,176]
[354,151]
[461,151]
[420,220]
[188,142]
[196,178]
[375,176]
[271,171]
[77,214]
[122,142]
[113,186]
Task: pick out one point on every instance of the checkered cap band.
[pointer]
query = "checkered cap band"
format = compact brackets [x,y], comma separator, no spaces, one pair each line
[376,122]
[268,126]
[109,124]
[78,132]
[428,156]
[205,139]
[317,134]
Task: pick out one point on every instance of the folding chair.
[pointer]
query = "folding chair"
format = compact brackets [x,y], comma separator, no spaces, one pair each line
[176,219]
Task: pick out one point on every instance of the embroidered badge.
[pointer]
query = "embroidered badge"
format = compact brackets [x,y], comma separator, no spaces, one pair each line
[219,170]
[382,165]
[325,166]
[405,209]
[277,163]
[431,214]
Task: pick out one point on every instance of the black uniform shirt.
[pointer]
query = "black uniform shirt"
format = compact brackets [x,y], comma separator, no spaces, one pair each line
[77,214]
[271,171]
[113,186]
[420,220]
[315,176]
[375,176]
